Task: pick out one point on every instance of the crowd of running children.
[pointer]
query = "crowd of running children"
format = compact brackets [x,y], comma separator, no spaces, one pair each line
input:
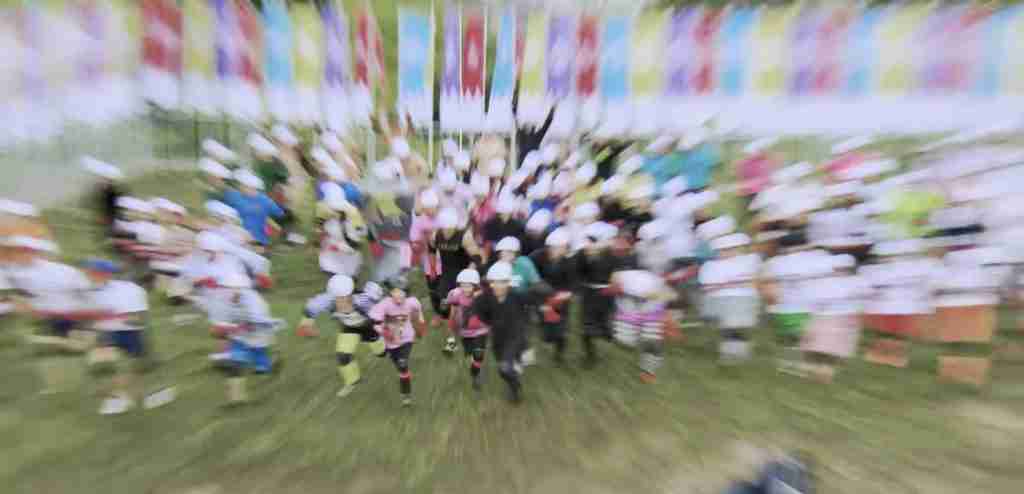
[637,233]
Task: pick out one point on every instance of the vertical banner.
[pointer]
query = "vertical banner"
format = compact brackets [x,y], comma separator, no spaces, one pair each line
[1013,68]
[503,80]
[861,54]
[734,45]
[369,64]
[802,52]
[415,66]
[834,35]
[587,58]
[307,49]
[337,65]
[199,71]
[897,35]
[561,51]
[648,64]
[227,54]
[451,74]
[249,33]
[474,49]
[161,52]
[680,38]
[532,108]
[613,75]
[88,101]
[279,82]
[124,52]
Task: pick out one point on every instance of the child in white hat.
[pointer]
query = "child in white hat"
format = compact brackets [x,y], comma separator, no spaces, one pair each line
[469,327]
[730,284]
[641,309]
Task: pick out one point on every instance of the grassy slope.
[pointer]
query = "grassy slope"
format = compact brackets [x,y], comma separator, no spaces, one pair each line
[580,431]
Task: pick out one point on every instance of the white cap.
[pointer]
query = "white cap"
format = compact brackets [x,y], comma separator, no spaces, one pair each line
[330,141]
[211,167]
[898,247]
[723,225]
[281,133]
[516,179]
[218,151]
[851,144]
[759,145]
[631,165]
[793,173]
[335,173]
[461,160]
[322,157]
[101,169]
[586,173]
[261,145]
[867,169]
[447,218]
[211,241]
[500,271]
[135,204]
[539,221]
[506,204]
[334,197]
[843,189]
[730,241]
[340,286]
[704,199]
[674,187]
[222,210]
[479,184]
[249,179]
[612,185]
[692,138]
[600,231]
[843,261]
[495,167]
[641,191]
[654,229]
[446,179]
[558,238]
[235,279]
[573,159]
[429,199]
[168,205]
[549,153]
[561,185]
[585,211]
[508,244]
[373,290]
[32,243]
[400,147]
[18,208]
[468,276]
[661,144]
[386,170]
[531,161]
[449,148]
[542,188]
[640,283]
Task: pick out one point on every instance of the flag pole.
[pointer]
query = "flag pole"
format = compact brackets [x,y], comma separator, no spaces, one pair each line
[430,92]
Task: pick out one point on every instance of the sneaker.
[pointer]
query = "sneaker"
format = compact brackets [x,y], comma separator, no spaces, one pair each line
[116,405]
[159,399]
[518,366]
[220,356]
[647,378]
[406,401]
[528,358]
[477,384]
[296,239]
[347,389]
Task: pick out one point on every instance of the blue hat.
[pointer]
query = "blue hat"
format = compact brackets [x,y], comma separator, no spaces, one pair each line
[102,266]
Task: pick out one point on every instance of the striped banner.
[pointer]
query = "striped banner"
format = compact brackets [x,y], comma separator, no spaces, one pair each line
[199,69]
[277,60]
[532,103]
[451,89]
[503,80]
[648,65]
[474,53]
[307,52]
[613,74]
[587,57]
[337,65]
[161,52]
[561,54]
[734,45]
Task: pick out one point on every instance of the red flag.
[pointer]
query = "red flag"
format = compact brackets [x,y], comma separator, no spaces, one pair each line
[473,55]
[704,35]
[369,52]
[252,33]
[586,56]
[161,37]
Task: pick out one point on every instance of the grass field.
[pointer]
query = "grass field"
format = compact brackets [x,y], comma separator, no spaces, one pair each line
[589,431]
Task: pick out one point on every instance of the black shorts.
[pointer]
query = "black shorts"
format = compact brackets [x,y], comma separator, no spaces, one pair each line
[473,343]
[400,353]
[366,333]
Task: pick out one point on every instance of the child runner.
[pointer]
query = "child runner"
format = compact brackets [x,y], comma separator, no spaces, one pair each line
[596,267]
[351,311]
[732,296]
[394,318]
[468,325]
[640,313]
[456,249]
[558,269]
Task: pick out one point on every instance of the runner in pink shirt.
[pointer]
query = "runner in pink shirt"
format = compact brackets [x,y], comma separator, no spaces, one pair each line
[463,320]
[394,318]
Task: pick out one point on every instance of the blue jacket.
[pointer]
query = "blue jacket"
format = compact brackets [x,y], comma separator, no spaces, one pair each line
[254,211]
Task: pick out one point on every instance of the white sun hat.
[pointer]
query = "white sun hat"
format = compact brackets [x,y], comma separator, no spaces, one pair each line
[284,135]
[508,244]
[586,211]
[495,167]
[500,271]
[507,204]
[261,145]
[164,204]
[446,179]
[429,199]
[631,165]
[654,230]
[101,169]
[449,148]
[249,179]
[539,221]
[730,241]
[723,225]
[793,173]
[18,208]
[613,185]
[461,160]
[210,241]
[470,276]
[400,146]
[479,184]
[217,208]
[31,243]
[585,174]
[135,204]
[674,186]
[541,189]
[340,286]
[660,144]
[549,153]
[218,151]
[448,218]
[851,144]
[211,167]
[330,141]
[558,238]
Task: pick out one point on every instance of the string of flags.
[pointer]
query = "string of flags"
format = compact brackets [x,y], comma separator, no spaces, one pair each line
[789,69]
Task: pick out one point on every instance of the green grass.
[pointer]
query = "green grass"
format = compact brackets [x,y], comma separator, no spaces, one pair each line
[874,430]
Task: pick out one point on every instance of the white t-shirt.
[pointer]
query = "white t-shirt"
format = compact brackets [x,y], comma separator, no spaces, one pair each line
[119,298]
[901,286]
[52,286]
[837,227]
[739,272]
[839,295]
